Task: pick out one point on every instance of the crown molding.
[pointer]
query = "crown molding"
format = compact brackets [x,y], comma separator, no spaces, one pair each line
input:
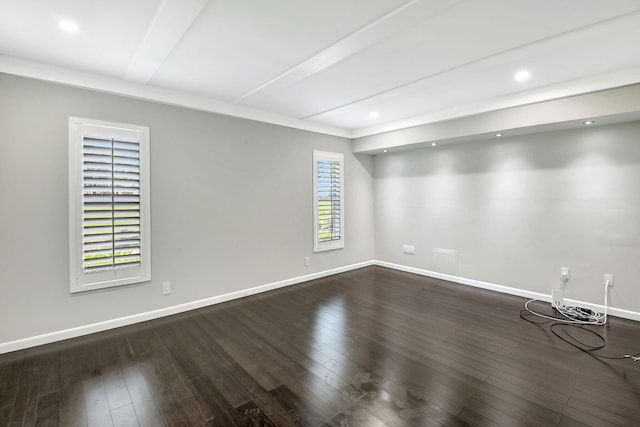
[19,67]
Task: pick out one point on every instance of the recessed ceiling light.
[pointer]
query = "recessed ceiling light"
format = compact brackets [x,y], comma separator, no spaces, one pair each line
[499,134]
[589,122]
[68,26]
[522,75]
[433,144]
[374,114]
[385,151]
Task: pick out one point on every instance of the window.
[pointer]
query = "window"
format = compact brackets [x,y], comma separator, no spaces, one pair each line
[328,206]
[108,204]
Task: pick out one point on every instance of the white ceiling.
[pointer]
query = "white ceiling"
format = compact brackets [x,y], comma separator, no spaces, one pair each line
[325,65]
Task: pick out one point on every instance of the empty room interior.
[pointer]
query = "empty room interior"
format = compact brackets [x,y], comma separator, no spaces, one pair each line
[319,213]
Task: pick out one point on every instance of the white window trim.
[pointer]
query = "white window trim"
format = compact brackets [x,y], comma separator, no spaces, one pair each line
[319,246]
[79,280]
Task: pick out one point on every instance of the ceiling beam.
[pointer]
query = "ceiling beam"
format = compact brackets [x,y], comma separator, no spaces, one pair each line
[575,87]
[398,20]
[172,21]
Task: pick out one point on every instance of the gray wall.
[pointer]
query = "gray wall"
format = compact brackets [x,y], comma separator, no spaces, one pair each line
[517,209]
[231,206]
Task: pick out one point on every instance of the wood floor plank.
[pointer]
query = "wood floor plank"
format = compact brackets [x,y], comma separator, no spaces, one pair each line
[521,407]
[117,391]
[125,416]
[244,356]
[253,343]
[426,399]
[207,341]
[359,376]
[273,347]
[277,413]
[48,410]
[186,355]
[73,412]
[331,385]
[299,409]
[524,388]
[589,418]
[134,346]
[237,385]
[368,347]
[78,363]
[144,404]
[500,412]
[96,403]
[49,374]
[355,417]
[10,378]
[5,414]
[600,409]
[570,422]
[25,406]
[222,411]
[170,409]
[161,370]
[181,407]
[251,415]
[193,357]
[472,418]
[382,406]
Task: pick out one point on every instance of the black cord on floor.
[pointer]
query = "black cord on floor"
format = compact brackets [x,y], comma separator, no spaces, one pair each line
[541,322]
[573,341]
[587,348]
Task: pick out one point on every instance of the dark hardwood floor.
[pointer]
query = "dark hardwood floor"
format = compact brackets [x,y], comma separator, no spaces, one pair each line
[370,347]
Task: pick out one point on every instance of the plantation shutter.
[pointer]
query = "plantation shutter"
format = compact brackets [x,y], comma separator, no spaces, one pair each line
[328,200]
[110,203]
[329,214]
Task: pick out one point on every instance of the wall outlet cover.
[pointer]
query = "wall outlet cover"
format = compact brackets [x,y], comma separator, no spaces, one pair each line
[608,278]
[409,249]
[166,288]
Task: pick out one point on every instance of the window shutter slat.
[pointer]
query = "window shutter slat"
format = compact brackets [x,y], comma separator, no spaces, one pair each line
[109,232]
[329,192]
[111,204]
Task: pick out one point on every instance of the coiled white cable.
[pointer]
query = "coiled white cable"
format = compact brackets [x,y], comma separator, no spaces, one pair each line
[575,315]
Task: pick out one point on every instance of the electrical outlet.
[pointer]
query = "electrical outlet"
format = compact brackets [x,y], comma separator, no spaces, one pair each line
[409,249]
[564,274]
[557,297]
[166,288]
[307,262]
[608,278]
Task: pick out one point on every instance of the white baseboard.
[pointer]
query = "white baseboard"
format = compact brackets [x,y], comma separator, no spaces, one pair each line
[33,341]
[626,314]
